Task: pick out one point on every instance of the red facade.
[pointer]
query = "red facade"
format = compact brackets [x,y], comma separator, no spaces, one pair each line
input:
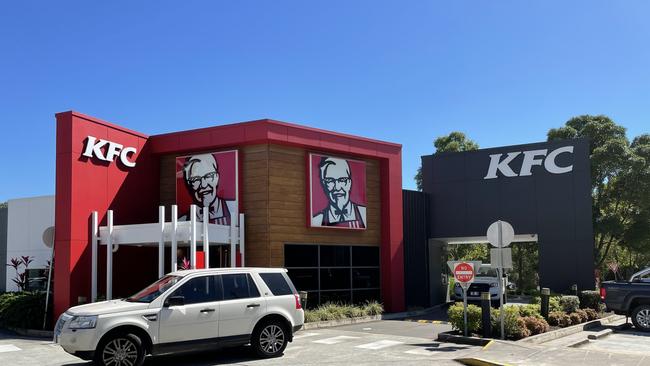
[85,184]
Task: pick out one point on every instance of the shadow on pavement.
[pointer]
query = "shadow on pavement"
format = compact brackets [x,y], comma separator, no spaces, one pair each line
[436,347]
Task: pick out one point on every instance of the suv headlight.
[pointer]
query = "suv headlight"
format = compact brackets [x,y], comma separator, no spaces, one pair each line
[83,322]
[494,284]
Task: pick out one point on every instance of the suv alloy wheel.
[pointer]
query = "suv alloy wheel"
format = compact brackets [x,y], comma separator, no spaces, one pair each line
[120,350]
[269,339]
[641,318]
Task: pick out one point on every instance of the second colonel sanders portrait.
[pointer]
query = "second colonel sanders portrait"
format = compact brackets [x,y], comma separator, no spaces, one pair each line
[207,180]
[337,192]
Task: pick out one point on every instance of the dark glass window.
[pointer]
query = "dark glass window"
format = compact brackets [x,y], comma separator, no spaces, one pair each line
[304,279]
[365,256]
[276,283]
[334,278]
[301,256]
[362,296]
[200,289]
[334,256]
[365,277]
[238,286]
[338,297]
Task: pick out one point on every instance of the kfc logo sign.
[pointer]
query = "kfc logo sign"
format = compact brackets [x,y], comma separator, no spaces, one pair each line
[531,158]
[107,151]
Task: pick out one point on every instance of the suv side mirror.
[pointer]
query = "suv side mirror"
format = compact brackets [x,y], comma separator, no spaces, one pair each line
[174,301]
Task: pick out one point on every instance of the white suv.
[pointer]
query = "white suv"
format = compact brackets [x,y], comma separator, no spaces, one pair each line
[185,311]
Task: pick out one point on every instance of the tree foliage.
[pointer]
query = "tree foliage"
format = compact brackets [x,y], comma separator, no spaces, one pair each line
[454,142]
[620,178]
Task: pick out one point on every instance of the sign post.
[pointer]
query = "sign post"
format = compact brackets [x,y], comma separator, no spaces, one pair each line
[500,234]
[464,273]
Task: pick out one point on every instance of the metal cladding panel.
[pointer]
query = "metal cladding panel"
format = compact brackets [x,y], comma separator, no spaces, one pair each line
[416,274]
[557,207]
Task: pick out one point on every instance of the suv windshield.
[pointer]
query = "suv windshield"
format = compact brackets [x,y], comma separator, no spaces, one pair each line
[487,272]
[151,292]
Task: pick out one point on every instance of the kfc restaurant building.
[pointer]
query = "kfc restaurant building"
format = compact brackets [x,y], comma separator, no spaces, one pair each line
[130,206]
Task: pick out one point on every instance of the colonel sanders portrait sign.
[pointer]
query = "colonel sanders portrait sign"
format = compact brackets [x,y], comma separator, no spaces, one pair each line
[207,180]
[337,192]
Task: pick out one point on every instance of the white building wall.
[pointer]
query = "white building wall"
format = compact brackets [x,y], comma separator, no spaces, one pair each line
[27,219]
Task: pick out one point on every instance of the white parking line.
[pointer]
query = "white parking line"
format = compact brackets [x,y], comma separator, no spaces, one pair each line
[419,352]
[8,348]
[379,344]
[335,340]
[305,335]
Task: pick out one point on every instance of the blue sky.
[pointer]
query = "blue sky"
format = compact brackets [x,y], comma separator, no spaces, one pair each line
[503,72]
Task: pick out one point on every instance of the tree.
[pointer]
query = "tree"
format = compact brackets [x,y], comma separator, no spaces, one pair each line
[454,142]
[620,182]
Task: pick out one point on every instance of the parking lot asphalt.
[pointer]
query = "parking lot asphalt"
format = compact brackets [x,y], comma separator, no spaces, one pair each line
[622,341]
[330,346]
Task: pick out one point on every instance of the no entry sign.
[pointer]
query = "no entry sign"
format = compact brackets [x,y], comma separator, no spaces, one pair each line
[464,272]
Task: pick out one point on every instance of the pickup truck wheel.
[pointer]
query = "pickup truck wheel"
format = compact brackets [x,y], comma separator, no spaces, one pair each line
[120,350]
[641,317]
[269,339]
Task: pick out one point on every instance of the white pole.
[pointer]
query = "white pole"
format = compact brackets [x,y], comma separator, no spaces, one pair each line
[465,309]
[193,236]
[49,279]
[93,273]
[241,239]
[500,273]
[161,242]
[109,256]
[206,242]
[174,266]
[233,242]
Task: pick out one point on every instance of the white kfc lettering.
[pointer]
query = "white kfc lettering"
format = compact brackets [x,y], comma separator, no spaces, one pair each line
[94,148]
[531,158]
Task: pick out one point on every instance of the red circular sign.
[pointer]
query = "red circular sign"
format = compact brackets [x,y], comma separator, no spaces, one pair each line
[463,272]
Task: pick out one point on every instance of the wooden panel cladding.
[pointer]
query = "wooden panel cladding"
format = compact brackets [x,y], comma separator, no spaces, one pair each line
[273,198]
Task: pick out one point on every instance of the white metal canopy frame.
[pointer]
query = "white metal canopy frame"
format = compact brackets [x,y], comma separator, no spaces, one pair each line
[160,234]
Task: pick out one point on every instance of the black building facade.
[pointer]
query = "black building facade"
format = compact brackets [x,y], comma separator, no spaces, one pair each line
[542,189]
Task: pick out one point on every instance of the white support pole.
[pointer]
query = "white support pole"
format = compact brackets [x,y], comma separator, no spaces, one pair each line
[174,266]
[93,265]
[241,239]
[233,241]
[193,236]
[161,242]
[206,242]
[109,256]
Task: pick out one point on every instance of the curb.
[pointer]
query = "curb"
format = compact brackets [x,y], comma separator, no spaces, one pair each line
[472,341]
[407,314]
[36,333]
[475,361]
[563,332]
[339,322]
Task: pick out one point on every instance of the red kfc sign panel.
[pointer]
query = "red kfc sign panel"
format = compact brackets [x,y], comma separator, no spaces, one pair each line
[337,192]
[208,180]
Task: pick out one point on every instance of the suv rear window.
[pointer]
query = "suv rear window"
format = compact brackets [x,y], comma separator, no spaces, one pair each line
[238,286]
[276,283]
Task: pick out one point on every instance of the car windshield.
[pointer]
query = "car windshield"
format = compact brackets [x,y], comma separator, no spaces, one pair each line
[487,272]
[151,292]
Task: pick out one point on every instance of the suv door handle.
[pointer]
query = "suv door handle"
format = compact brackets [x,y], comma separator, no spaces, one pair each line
[207,310]
[253,305]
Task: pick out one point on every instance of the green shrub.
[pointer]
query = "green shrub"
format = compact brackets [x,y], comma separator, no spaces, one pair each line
[553,303]
[512,326]
[583,315]
[22,310]
[591,314]
[535,325]
[530,310]
[331,311]
[559,319]
[569,303]
[575,318]
[455,315]
[373,308]
[590,300]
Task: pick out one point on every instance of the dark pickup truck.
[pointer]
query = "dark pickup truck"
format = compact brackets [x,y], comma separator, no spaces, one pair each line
[630,298]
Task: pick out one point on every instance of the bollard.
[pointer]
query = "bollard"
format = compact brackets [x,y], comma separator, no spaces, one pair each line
[546,294]
[574,289]
[486,307]
[303,299]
